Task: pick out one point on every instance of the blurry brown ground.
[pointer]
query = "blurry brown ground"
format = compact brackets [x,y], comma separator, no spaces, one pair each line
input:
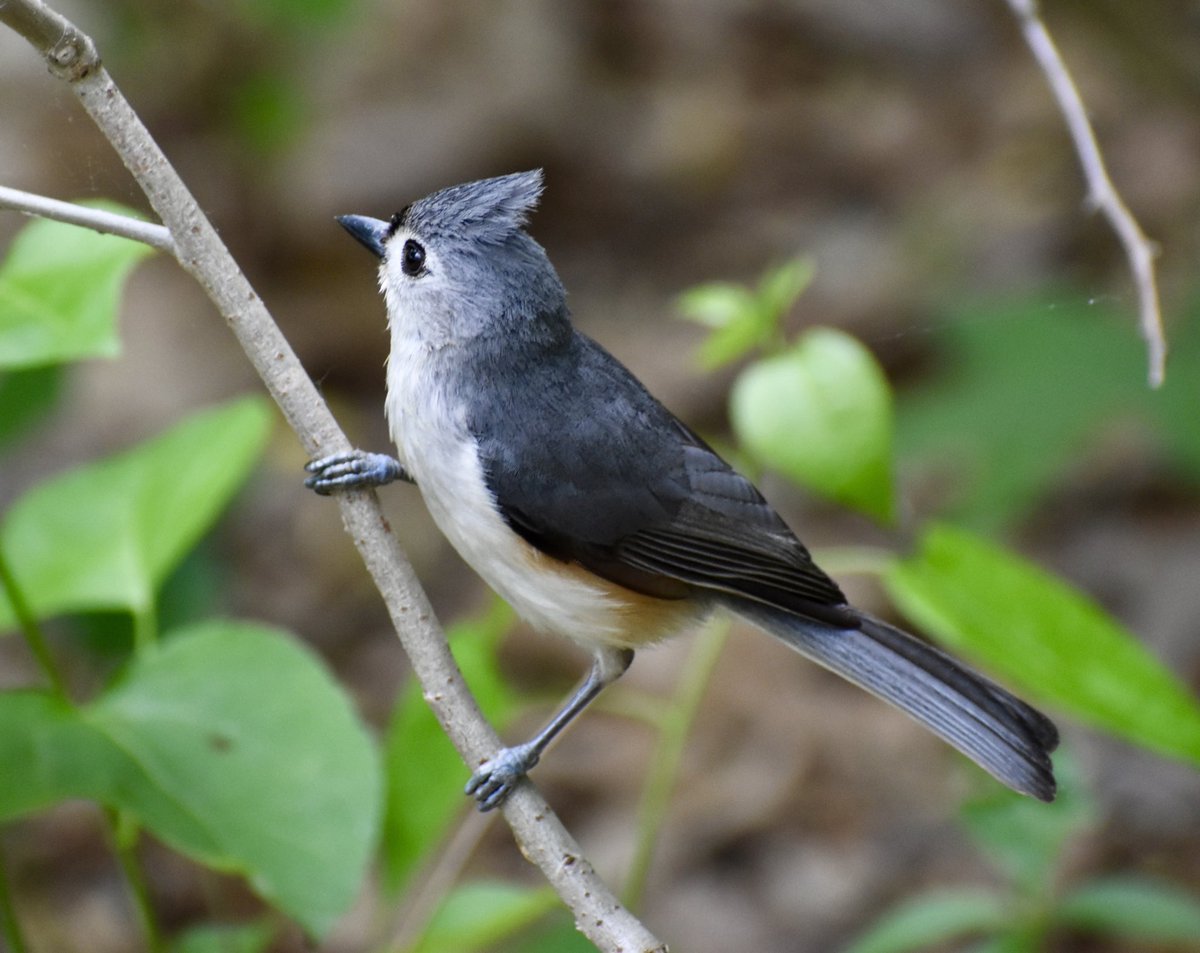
[910,146]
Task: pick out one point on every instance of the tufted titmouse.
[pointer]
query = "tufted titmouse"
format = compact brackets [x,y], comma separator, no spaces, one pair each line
[590,507]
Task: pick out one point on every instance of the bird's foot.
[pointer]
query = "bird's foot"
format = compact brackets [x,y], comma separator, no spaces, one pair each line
[353,469]
[495,779]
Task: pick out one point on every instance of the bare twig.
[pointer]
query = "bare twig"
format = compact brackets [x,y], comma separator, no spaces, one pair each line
[97,219]
[541,837]
[442,872]
[1102,194]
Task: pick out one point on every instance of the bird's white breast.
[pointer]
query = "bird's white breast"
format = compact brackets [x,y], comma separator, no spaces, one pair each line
[428,425]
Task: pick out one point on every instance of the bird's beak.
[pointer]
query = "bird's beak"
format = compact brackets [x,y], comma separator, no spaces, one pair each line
[370,231]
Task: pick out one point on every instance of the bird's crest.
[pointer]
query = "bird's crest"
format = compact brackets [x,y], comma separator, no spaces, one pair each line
[488,211]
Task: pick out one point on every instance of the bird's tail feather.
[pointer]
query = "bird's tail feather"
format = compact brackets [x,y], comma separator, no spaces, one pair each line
[1006,737]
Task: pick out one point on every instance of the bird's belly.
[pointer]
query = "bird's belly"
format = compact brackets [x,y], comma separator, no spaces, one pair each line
[549,594]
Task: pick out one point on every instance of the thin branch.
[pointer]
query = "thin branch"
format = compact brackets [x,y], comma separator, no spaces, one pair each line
[97,219]
[430,888]
[540,835]
[1102,194]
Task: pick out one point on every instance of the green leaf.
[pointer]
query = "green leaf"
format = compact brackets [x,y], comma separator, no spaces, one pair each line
[1172,407]
[478,915]
[49,753]
[1135,909]
[425,775]
[1045,637]
[268,111]
[1027,388]
[742,319]
[821,414]
[59,290]
[246,732]
[781,287]
[286,17]
[104,536]
[1026,939]
[937,917]
[731,311]
[228,741]
[1025,838]
[26,397]
[717,304]
[557,933]
[219,938]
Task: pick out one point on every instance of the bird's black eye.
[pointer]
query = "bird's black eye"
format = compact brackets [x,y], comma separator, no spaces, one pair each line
[412,258]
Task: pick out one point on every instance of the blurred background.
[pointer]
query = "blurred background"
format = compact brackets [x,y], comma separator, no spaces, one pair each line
[911,149]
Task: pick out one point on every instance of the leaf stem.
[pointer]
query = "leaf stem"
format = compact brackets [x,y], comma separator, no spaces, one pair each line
[124,833]
[422,900]
[675,727]
[10,926]
[34,637]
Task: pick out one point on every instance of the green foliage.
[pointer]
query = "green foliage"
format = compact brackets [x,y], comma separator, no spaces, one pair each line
[59,289]
[1135,909]
[245,733]
[268,99]
[268,112]
[935,917]
[1045,637]
[742,318]
[424,773]
[26,398]
[1029,387]
[817,410]
[475,916]
[232,744]
[820,413]
[1023,401]
[557,934]
[229,741]
[105,535]
[208,938]
[1026,841]
[1033,386]
[293,14]
[1023,838]
[1171,410]
[224,725]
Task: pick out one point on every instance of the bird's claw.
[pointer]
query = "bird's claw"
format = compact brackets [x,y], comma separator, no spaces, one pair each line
[352,469]
[495,779]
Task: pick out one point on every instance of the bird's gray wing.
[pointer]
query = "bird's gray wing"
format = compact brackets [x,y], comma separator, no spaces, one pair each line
[588,467]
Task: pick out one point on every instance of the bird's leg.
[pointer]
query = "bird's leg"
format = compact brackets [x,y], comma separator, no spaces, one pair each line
[354,469]
[496,777]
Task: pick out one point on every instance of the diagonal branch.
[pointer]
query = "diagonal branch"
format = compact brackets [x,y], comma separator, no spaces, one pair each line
[1102,194]
[72,56]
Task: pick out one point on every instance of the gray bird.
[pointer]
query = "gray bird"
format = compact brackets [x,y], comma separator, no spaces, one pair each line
[590,507]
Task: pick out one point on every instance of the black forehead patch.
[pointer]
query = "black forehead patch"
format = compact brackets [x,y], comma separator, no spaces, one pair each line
[398,221]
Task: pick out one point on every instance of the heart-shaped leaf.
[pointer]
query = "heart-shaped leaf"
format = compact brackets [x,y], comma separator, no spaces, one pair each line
[821,414]
[105,535]
[59,290]
[228,741]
